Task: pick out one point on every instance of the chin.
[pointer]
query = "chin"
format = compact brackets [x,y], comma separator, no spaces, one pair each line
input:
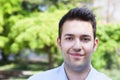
[79,67]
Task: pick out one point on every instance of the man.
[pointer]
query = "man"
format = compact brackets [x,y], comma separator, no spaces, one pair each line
[77,42]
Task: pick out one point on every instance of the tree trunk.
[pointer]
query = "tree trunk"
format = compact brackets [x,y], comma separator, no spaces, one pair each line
[4,56]
[50,58]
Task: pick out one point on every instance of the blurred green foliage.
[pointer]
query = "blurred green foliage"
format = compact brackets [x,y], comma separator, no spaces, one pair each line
[10,11]
[20,29]
[37,32]
[107,54]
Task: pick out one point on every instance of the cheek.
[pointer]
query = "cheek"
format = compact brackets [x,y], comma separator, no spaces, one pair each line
[64,49]
[89,48]
[65,46]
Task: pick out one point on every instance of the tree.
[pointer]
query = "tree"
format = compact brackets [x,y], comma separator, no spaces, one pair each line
[109,40]
[32,5]
[10,12]
[38,32]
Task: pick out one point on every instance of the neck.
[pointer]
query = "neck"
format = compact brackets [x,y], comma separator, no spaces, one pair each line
[75,75]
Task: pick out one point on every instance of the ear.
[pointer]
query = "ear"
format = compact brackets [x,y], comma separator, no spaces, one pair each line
[59,43]
[96,43]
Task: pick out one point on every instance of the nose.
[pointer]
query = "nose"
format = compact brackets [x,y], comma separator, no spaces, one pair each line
[77,45]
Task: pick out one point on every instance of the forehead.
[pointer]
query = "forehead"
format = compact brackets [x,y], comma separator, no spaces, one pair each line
[77,27]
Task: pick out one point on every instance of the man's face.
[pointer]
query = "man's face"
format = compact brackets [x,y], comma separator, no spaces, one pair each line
[77,43]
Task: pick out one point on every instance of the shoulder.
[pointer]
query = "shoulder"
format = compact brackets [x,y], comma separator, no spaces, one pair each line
[102,76]
[49,74]
[98,75]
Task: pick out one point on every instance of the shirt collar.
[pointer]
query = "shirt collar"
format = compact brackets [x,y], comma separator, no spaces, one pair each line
[91,73]
[61,73]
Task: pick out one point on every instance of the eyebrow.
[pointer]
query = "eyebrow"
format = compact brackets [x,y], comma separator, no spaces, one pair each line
[84,35]
[68,35]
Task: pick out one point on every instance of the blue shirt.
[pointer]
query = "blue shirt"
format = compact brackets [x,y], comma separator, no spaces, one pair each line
[59,74]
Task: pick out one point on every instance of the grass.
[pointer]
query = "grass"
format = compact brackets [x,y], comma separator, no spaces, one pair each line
[20,65]
[114,74]
[24,69]
[34,68]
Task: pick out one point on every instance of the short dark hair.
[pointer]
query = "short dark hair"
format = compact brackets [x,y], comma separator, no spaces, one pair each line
[83,14]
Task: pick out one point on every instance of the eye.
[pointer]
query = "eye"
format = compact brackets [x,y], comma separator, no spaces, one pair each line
[69,38]
[85,39]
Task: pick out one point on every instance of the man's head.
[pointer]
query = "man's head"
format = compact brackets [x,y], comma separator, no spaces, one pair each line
[82,14]
[77,38]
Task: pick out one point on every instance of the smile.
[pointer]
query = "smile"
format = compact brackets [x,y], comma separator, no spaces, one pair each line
[76,54]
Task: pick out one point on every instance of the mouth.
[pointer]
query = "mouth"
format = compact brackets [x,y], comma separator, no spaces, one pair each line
[76,54]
